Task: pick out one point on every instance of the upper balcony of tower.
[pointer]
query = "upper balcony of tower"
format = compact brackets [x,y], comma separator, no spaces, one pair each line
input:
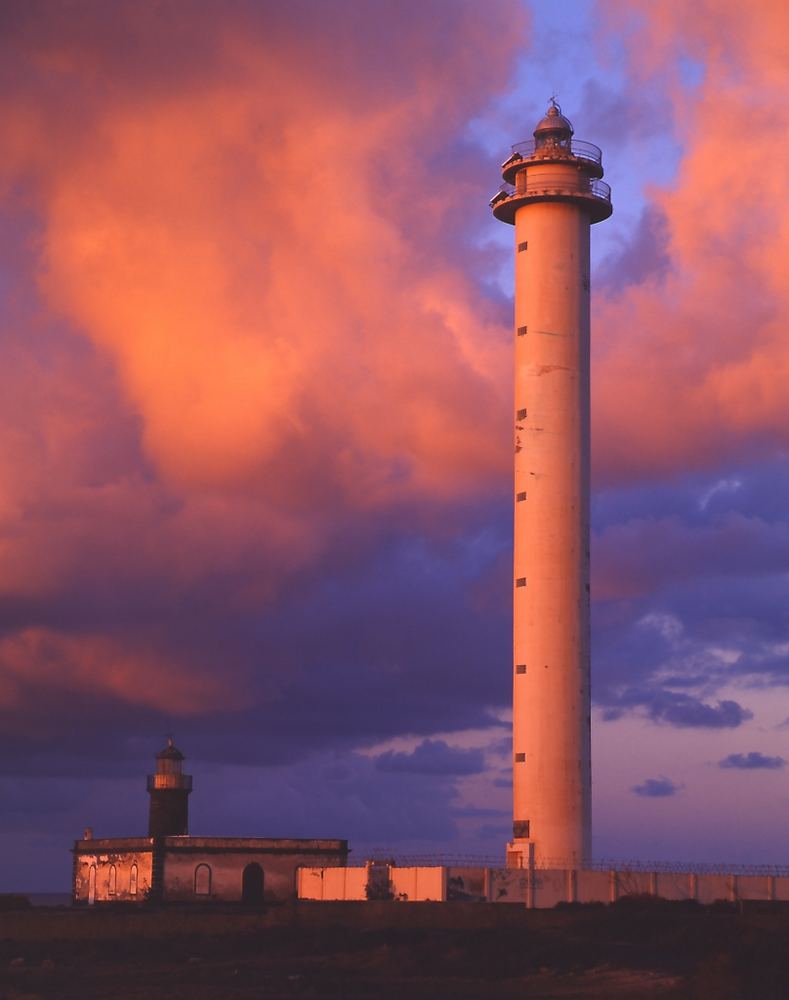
[553,143]
[537,170]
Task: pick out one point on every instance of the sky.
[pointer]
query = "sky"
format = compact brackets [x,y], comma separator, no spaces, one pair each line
[255,394]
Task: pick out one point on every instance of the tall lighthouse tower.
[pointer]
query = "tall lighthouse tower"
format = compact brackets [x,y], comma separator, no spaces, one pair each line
[552,195]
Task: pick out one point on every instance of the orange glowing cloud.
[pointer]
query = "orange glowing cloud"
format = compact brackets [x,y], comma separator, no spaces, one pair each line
[94,665]
[248,251]
[243,319]
[694,365]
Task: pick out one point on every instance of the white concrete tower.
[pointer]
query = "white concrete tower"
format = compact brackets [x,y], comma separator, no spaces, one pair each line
[552,194]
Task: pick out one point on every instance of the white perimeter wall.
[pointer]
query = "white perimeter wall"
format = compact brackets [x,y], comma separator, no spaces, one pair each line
[540,888]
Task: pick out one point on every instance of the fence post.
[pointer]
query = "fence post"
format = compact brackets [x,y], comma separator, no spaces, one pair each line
[530,878]
[572,885]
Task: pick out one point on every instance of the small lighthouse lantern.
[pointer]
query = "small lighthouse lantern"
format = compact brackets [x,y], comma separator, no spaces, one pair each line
[169,789]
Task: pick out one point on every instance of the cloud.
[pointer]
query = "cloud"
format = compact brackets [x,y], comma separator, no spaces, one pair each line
[639,555]
[644,257]
[677,709]
[478,812]
[656,788]
[247,368]
[433,757]
[175,237]
[753,761]
[724,238]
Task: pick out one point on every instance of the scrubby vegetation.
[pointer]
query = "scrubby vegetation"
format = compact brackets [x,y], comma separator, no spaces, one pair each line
[637,948]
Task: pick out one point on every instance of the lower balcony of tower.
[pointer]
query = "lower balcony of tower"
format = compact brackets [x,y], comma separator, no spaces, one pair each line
[594,195]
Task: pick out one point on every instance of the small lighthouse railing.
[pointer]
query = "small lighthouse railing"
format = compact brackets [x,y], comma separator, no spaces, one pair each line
[553,184]
[577,147]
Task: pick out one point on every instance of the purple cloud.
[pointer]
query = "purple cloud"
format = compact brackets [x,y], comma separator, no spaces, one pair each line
[678,709]
[656,788]
[433,757]
[753,761]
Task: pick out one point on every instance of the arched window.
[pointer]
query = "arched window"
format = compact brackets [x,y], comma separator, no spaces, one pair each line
[112,882]
[92,885]
[133,881]
[202,880]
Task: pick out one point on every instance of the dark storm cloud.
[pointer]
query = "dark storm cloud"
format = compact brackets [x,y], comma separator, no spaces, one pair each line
[409,648]
[752,761]
[644,256]
[433,757]
[681,710]
[615,117]
[690,594]
[656,788]
[477,812]
[345,794]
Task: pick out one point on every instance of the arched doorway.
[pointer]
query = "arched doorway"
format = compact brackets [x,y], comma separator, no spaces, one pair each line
[252,885]
[92,885]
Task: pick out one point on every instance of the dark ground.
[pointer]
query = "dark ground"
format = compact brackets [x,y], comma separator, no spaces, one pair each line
[633,949]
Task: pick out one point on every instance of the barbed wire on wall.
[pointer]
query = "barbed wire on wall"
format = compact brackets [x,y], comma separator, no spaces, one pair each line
[387,856]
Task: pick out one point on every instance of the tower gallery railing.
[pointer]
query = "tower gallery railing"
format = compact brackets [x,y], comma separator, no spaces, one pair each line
[573,147]
[554,184]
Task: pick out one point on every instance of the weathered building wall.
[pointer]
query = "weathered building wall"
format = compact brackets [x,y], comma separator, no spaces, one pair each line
[217,875]
[207,868]
[712,888]
[467,883]
[781,888]
[550,887]
[421,884]
[593,887]
[332,883]
[754,887]
[415,884]
[196,869]
[112,870]
[675,885]
[507,885]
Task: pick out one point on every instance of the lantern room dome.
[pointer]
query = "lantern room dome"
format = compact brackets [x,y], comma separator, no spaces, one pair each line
[170,752]
[553,124]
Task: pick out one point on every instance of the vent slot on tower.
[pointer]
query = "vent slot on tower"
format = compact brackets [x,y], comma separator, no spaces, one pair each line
[520,828]
[522,414]
[521,581]
[523,246]
[520,496]
[522,331]
[520,758]
[520,668]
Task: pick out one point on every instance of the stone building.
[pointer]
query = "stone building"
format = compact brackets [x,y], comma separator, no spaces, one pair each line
[170,866]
